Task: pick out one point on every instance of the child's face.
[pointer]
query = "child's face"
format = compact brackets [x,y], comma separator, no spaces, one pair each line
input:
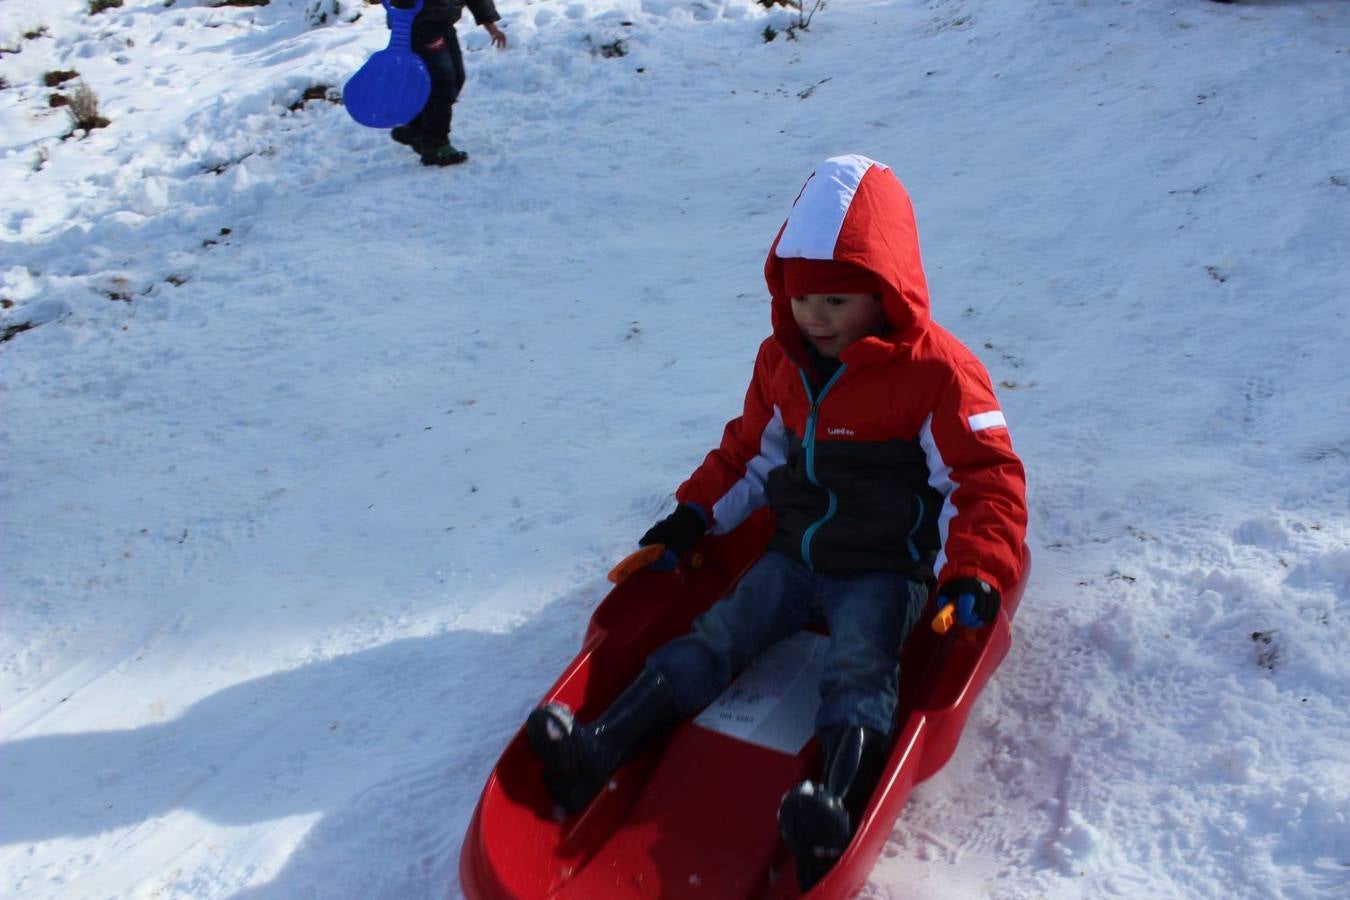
[833,321]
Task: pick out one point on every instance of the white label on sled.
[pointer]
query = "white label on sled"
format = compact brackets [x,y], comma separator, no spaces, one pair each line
[773,702]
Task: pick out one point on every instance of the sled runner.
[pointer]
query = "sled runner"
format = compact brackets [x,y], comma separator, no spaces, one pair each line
[393,85]
[697,816]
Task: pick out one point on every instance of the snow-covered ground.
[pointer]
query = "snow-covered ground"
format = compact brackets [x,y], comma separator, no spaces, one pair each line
[312,459]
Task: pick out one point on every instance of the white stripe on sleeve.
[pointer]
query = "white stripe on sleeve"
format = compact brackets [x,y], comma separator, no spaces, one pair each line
[747,495]
[986,420]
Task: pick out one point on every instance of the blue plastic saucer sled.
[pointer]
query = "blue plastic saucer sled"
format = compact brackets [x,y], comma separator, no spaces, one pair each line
[393,85]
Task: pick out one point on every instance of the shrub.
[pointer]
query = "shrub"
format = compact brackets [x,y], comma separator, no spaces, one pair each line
[83,110]
[98,6]
[318,12]
[614,48]
[56,76]
[804,16]
[314,92]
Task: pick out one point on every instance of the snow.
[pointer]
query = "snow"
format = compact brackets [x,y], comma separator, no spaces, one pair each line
[313,459]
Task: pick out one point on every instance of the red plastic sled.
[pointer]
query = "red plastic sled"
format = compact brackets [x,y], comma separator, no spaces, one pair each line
[651,833]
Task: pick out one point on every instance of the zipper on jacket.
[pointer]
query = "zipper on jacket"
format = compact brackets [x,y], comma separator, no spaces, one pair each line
[809,447]
[918,520]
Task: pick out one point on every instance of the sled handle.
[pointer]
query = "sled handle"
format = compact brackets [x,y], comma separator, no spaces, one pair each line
[645,556]
[638,559]
[945,619]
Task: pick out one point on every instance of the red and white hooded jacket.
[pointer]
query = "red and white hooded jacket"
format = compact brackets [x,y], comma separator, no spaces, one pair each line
[901,461]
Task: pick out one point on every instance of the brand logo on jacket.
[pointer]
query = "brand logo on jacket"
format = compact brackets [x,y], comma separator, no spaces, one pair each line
[846,432]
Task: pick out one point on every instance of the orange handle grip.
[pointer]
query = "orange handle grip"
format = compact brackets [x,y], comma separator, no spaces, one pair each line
[945,619]
[636,560]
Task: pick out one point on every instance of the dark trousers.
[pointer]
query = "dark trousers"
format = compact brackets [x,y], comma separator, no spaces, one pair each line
[439,48]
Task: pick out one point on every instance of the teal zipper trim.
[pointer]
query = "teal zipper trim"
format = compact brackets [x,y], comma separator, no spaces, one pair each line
[918,520]
[809,445]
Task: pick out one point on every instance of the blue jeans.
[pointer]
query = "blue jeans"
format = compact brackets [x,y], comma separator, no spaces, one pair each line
[868,616]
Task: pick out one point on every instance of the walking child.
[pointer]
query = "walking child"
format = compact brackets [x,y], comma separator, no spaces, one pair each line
[435,40]
[875,437]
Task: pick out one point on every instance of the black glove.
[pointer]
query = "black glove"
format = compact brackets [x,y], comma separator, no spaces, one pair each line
[976,601]
[679,531]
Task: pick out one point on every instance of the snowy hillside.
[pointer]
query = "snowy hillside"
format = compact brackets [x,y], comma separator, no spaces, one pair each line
[312,459]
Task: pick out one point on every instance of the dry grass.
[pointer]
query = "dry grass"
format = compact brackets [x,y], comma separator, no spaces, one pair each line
[83,110]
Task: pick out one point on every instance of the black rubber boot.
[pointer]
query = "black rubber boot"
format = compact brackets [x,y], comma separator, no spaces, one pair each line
[817,819]
[579,759]
[445,155]
[408,136]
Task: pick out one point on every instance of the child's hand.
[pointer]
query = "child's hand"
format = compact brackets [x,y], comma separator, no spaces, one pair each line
[976,602]
[498,36]
[678,532]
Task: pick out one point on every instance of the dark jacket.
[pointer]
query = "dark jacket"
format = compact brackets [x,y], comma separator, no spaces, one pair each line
[901,460]
[441,13]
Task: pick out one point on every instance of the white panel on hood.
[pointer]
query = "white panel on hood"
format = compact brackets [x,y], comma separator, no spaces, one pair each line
[818,215]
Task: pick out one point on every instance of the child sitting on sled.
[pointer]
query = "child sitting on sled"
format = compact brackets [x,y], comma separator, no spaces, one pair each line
[875,437]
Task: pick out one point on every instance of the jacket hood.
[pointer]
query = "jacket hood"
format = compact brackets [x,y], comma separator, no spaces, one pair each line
[853,209]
